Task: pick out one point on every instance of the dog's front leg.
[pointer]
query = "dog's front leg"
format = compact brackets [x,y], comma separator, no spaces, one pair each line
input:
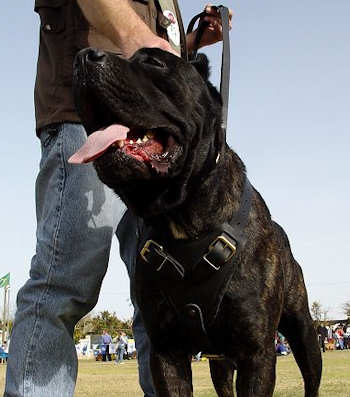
[171,373]
[256,374]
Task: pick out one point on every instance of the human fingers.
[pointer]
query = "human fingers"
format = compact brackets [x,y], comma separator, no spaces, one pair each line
[212,11]
[215,22]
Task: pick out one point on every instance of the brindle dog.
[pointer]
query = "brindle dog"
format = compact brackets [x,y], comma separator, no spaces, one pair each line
[155,135]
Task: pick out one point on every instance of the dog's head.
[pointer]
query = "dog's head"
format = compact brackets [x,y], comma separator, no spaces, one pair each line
[154,124]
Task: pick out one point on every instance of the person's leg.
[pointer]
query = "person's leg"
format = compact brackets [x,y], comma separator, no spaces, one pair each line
[117,355]
[122,352]
[76,219]
[128,234]
[143,349]
[104,351]
[109,358]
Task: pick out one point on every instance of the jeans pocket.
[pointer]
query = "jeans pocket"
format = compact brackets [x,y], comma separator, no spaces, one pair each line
[48,135]
[48,139]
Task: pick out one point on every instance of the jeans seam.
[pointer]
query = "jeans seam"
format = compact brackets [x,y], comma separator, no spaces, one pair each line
[41,299]
[59,206]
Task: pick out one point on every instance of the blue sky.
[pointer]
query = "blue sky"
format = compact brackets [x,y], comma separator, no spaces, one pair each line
[289,121]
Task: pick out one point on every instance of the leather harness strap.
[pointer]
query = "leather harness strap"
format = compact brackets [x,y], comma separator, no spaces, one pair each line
[191,276]
[205,255]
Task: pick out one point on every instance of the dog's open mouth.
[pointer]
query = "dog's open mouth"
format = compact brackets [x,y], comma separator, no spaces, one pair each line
[151,147]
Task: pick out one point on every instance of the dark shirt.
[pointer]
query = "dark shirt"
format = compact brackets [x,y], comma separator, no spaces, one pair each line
[322,331]
[63,32]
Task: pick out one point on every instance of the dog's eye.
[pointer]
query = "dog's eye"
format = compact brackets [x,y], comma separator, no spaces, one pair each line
[155,62]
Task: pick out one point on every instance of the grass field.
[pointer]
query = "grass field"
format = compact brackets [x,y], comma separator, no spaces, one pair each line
[97,379]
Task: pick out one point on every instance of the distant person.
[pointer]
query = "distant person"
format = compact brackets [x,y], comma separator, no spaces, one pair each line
[322,333]
[281,348]
[346,336]
[4,351]
[330,333]
[131,349]
[122,347]
[106,341]
[2,355]
[6,347]
[340,336]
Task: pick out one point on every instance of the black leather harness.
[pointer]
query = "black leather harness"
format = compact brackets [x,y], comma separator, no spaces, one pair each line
[180,284]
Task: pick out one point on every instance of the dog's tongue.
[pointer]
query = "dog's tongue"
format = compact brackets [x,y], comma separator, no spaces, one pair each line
[98,142]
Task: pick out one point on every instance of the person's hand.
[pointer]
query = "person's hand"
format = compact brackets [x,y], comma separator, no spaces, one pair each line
[213,33]
[162,44]
[147,40]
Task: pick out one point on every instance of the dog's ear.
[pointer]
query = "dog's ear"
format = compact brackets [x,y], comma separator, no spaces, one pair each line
[201,63]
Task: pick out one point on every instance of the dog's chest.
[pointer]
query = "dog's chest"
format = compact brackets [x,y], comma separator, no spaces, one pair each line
[180,286]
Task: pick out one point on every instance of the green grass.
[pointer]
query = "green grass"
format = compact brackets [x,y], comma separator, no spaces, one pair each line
[97,379]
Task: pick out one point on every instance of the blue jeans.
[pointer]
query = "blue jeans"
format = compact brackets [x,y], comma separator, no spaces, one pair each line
[120,353]
[76,220]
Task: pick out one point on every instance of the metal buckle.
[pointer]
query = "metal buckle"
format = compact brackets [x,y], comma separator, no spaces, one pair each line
[227,244]
[146,248]
[159,250]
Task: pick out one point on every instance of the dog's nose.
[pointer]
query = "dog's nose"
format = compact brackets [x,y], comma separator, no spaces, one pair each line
[95,55]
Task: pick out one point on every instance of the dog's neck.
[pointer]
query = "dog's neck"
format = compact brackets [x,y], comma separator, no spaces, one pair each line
[212,202]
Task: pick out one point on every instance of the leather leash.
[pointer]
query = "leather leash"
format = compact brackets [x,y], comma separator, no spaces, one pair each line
[226,57]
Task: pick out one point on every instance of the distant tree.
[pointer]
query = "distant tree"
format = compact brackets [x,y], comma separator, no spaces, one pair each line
[95,324]
[9,324]
[318,313]
[316,310]
[346,308]
[108,321]
[83,327]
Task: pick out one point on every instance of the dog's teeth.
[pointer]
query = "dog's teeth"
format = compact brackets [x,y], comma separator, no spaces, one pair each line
[150,134]
[145,138]
[131,141]
[139,141]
